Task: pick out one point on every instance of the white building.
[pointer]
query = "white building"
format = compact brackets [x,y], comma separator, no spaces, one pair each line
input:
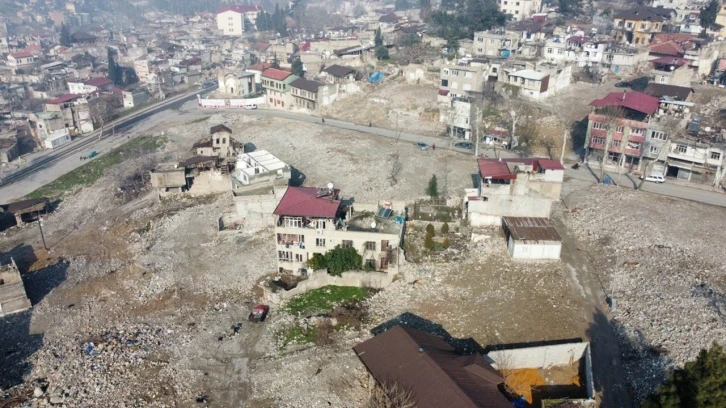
[520,9]
[20,59]
[259,167]
[232,20]
[51,129]
[90,86]
[135,97]
[313,221]
[532,238]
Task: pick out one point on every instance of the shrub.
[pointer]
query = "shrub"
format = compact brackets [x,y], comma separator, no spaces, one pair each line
[429,242]
[445,228]
[430,230]
[446,243]
[317,262]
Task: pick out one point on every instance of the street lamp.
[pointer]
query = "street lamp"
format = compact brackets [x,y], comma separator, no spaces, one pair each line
[40,226]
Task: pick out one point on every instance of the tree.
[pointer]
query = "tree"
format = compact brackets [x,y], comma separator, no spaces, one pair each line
[570,7]
[446,244]
[429,242]
[708,14]
[425,10]
[337,261]
[390,395]
[445,228]
[430,230]
[699,384]
[382,53]
[110,54]
[433,188]
[65,36]
[452,46]
[275,61]
[378,39]
[297,68]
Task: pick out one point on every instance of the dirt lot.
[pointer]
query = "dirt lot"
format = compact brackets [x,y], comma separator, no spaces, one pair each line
[143,304]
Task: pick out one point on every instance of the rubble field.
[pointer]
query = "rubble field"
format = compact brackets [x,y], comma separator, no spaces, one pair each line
[664,269]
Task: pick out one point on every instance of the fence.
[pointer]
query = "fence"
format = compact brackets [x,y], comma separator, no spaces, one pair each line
[230,103]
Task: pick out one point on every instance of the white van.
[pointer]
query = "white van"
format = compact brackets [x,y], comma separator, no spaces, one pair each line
[655,178]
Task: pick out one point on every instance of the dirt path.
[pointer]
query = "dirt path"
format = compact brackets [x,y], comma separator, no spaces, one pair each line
[608,371]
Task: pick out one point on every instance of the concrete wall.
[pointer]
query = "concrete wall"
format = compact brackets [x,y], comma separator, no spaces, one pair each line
[230,103]
[374,280]
[545,357]
[209,182]
[397,206]
[490,212]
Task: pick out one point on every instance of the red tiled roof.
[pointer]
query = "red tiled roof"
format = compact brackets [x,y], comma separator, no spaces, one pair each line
[304,202]
[64,98]
[276,74]
[259,67]
[98,81]
[632,100]
[21,54]
[539,18]
[261,46]
[670,61]
[666,48]
[679,38]
[240,9]
[497,168]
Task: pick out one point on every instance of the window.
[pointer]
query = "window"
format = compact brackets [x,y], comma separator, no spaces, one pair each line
[630,25]
[642,26]
[715,156]
[371,263]
[654,149]
[549,50]
[293,222]
[284,256]
[224,140]
[633,145]
[598,140]
[445,82]
[598,125]
[637,131]
[516,12]
[298,258]
[319,242]
[619,129]
[658,135]
[681,148]
[616,143]
[346,244]
[370,246]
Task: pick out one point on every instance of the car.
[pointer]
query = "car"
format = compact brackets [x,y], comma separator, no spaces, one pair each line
[259,313]
[251,106]
[422,146]
[464,145]
[655,178]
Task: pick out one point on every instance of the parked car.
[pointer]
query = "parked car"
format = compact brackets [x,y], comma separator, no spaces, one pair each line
[464,145]
[251,106]
[655,178]
[259,313]
[422,146]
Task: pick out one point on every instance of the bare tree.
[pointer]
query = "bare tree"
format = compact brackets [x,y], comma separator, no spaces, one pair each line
[390,395]
[324,332]
[395,170]
[101,112]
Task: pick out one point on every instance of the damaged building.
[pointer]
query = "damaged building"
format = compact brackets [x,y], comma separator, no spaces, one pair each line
[13,298]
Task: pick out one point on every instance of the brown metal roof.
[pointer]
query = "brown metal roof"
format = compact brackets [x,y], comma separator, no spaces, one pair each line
[430,368]
[20,207]
[217,128]
[531,229]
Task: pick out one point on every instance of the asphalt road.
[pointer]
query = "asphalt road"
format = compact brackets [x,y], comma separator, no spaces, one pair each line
[45,166]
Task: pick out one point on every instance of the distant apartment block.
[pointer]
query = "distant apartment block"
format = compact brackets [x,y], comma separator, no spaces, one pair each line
[520,9]
[232,20]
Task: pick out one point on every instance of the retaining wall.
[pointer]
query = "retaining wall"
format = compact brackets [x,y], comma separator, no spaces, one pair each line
[373,280]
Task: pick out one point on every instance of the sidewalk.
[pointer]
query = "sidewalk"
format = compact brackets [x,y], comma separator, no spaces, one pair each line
[624,173]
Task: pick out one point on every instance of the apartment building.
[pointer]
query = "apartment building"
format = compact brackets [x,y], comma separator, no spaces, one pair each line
[539,82]
[20,59]
[624,60]
[495,43]
[460,118]
[618,127]
[75,112]
[638,26]
[50,129]
[461,79]
[520,9]
[234,20]
[671,71]
[97,84]
[695,160]
[276,83]
[313,220]
[581,51]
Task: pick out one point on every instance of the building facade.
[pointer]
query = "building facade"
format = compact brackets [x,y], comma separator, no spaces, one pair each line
[520,9]
[276,83]
[495,43]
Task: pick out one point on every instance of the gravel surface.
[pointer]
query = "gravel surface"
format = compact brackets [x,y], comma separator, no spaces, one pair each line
[667,281]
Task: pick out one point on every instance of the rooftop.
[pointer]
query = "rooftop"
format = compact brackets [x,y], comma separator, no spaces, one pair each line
[530,74]
[505,169]
[240,9]
[98,81]
[219,128]
[531,229]
[306,84]
[636,101]
[679,93]
[64,98]
[21,54]
[339,70]
[364,221]
[276,74]
[432,370]
[257,162]
[309,202]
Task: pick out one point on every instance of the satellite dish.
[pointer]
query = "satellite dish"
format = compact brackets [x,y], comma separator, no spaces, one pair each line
[373,224]
[330,186]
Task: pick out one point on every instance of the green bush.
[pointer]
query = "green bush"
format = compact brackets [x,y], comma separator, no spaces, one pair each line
[337,261]
[445,228]
[429,242]
[317,262]
[446,243]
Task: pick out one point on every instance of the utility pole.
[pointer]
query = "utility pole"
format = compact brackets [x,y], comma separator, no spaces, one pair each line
[476,132]
[40,226]
[564,143]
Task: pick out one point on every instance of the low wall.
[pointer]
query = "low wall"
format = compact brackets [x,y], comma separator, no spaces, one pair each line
[437,224]
[373,280]
[398,206]
[545,357]
[231,103]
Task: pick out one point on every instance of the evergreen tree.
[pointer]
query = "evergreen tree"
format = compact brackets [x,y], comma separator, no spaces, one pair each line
[425,10]
[699,384]
[111,64]
[65,36]
[433,188]
[382,53]
[275,62]
[570,7]
[378,40]
[707,16]
[297,68]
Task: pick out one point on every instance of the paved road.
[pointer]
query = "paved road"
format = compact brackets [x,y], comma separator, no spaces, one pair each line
[45,166]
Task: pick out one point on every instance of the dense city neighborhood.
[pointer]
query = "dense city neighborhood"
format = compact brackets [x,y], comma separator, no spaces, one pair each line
[364,204]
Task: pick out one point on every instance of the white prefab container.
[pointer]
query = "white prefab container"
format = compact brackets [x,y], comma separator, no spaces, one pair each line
[532,238]
[522,249]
